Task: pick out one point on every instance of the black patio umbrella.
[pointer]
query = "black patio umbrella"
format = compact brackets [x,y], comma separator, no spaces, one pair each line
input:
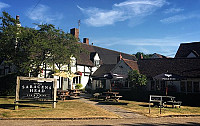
[114,76]
[168,77]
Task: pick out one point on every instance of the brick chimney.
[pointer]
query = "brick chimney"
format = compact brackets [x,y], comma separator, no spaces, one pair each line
[141,56]
[17,17]
[86,41]
[119,57]
[75,32]
[18,23]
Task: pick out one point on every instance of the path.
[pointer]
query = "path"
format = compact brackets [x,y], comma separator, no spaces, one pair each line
[112,108]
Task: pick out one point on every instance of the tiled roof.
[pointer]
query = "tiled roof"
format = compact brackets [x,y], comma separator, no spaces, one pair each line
[187,67]
[103,69]
[132,64]
[186,48]
[84,59]
[111,57]
[158,56]
[107,56]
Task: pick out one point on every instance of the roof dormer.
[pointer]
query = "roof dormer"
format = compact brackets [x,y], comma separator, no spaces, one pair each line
[94,57]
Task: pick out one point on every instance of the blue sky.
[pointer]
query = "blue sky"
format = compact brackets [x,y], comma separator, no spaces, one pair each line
[149,26]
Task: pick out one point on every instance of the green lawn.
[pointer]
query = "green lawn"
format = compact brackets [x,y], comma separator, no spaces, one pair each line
[64,109]
[143,108]
[78,109]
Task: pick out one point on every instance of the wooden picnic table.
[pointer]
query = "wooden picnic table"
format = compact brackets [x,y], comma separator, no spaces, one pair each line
[74,92]
[111,96]
[63,94]
[111,93]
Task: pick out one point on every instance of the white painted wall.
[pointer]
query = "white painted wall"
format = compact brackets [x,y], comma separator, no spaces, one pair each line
[85,70]
[121,68]
[96,57]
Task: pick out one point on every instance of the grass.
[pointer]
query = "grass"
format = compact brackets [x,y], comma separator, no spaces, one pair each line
[78,109]
[143,108]
[64,109]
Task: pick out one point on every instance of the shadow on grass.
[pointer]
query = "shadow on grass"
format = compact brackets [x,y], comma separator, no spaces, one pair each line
[11,106]
[156,106]
[95,100]
[148,106]
[9,97]
[111,103]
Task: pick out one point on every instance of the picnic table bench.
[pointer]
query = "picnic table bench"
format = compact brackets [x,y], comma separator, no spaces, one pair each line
[63,94]
[163,101]
[96,95]
[116,98]
[110,96]
[174,103]
[74,92]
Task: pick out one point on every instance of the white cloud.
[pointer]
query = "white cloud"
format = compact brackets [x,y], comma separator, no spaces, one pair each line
[178,18]
[129,9]
[98,17]
[166,41]
[3,5]
[43,14]
[166,45]
[173,10]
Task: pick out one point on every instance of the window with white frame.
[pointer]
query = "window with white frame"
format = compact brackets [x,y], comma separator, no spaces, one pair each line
[96,62]
[77,80]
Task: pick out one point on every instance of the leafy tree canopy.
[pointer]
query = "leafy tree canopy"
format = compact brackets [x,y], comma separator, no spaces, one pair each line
[28,48]
[145,56]
[136,79]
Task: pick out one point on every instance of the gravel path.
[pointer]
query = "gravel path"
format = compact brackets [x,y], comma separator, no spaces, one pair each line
[122,113]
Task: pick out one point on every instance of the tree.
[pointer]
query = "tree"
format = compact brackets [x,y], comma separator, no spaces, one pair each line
[136,79]
[28,48]
[145,56]
[55,46]
[9,33]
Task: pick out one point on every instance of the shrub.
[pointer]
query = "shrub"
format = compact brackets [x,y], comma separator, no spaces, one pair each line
[78,86]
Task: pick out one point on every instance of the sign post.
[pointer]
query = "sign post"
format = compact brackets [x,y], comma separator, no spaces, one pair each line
[36,89]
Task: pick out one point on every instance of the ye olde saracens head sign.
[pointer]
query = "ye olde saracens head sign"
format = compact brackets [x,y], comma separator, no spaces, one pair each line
[35,90]
[30,88]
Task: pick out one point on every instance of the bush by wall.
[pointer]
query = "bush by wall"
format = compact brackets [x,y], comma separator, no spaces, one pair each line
[78,86]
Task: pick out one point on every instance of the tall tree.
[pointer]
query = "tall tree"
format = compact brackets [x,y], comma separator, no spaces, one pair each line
[29,48]
[9,32]
[55,46]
